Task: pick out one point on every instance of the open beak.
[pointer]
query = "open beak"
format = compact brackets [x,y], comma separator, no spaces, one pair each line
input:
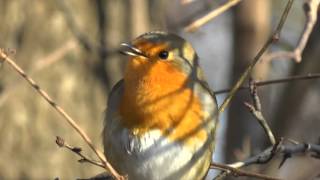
[129,50]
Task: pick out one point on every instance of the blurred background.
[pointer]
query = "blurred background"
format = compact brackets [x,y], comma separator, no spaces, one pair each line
[71,49]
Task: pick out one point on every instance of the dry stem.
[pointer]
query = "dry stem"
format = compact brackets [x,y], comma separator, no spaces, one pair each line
[275,81]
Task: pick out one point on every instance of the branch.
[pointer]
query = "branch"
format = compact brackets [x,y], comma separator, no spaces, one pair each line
[274,81]
[311,11]
[73,124]
[255,110]
[61,143]
[237,172]
[281,148]
[205,19]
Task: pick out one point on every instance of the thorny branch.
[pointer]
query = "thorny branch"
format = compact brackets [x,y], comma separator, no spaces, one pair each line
[311,11]
[278,147]
[263,157]
[205,19]
[286,150]
[68,118]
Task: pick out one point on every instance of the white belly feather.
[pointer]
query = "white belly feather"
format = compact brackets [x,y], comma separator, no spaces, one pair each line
[152,157]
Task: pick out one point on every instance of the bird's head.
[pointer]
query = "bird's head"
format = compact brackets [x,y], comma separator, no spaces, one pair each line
[160,54]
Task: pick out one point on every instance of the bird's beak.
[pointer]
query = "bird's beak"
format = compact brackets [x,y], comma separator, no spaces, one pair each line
[129,50]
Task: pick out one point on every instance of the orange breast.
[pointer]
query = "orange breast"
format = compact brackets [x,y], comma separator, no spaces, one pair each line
[156,97]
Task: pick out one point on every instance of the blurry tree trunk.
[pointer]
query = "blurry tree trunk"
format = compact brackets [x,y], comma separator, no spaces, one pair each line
[125,21]
[139,17]
[251,29]
[104,74]
[118,31]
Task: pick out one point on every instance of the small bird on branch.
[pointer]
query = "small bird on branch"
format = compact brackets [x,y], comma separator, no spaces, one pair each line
[160,119]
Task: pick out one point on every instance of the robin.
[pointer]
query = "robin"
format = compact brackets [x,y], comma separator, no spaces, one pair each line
[160,119]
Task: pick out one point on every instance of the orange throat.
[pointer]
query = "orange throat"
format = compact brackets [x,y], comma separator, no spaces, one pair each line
[156,96]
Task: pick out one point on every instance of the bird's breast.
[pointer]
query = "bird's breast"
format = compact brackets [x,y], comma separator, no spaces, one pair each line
[160,100]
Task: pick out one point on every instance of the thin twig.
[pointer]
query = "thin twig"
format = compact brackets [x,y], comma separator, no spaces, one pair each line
[205,19]
[311,11]
[75,126]
[62,143]
[237,172]
[275,81]
[256,111]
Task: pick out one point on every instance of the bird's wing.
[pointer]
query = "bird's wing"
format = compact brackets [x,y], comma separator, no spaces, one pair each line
[112,108]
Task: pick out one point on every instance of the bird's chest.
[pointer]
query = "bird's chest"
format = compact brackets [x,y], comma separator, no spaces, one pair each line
[178,113]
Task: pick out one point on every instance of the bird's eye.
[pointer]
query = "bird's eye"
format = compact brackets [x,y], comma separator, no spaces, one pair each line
[163,54]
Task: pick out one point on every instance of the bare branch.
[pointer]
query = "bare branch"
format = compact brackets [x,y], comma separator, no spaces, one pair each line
[205,19]
[275,81]
[286,150]
[73,124]
[311,11]
[281,148]
[237,172]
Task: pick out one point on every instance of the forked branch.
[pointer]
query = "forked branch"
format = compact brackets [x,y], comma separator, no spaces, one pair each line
[311,8]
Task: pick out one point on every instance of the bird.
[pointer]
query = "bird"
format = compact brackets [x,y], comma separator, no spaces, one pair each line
[161,117]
